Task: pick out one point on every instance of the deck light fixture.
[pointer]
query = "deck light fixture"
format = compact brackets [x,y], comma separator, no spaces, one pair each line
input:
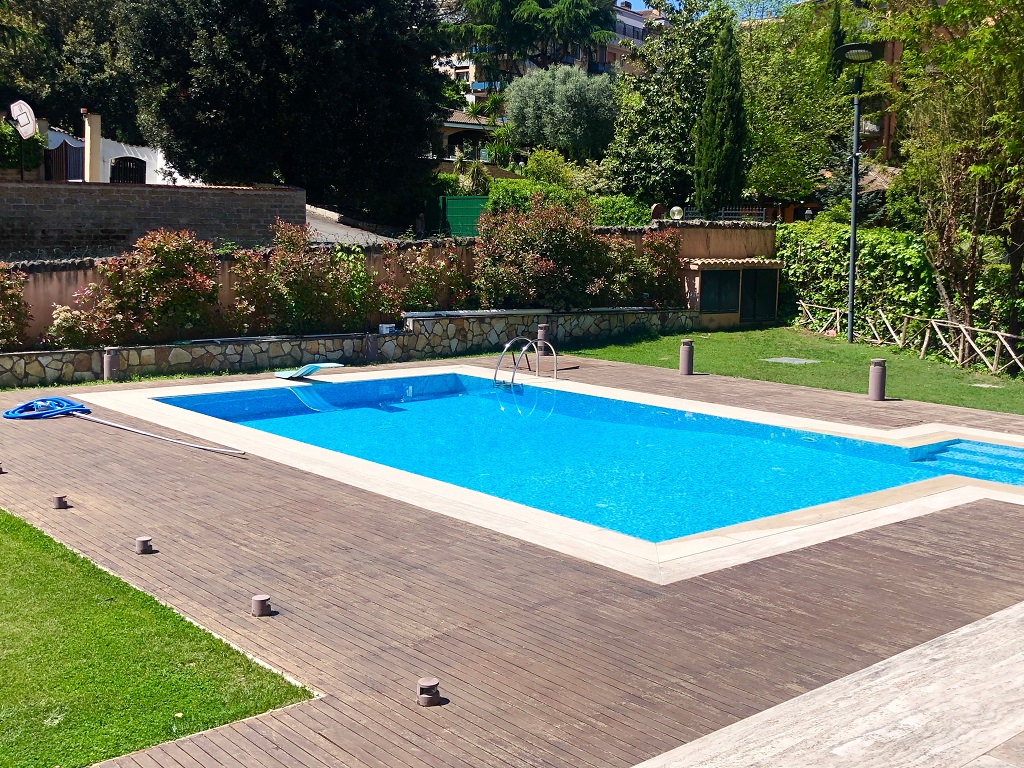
[427,692]
[858,54]
[261,605]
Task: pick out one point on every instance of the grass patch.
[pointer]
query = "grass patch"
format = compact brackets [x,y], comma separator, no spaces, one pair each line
[843,367]
[93,668]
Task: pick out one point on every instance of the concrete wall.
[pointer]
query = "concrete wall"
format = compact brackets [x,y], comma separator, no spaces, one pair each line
[426,336]
[49,215]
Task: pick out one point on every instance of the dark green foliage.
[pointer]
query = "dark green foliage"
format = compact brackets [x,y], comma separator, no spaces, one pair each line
[299,287]
[71,60]
[836,38]
[519,194]
[651,155]
[893,273]
[11,147]
[721,132]
[620,211]
[563,108]
[499,34]
[341,98]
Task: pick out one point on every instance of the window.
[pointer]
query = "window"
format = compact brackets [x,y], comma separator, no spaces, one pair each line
[462,74]
[720,291]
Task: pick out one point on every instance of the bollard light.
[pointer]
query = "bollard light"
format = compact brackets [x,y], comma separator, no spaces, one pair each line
[427,693]
[261,605]
[60,502]
[144,545]
[686,357]
[876,379]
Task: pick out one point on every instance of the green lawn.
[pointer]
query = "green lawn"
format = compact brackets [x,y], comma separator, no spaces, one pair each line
[91,668]
[843,366]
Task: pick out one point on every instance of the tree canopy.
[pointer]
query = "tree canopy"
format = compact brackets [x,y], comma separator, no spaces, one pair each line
[721,132]
[563,108]
[502,34]
[651,155]
[341,98]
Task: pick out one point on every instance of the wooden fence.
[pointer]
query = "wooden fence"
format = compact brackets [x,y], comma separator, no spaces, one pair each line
[965,345]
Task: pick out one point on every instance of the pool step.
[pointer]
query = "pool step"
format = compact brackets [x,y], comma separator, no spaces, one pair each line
[981,460]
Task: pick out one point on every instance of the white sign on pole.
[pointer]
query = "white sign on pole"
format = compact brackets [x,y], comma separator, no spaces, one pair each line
[24,119]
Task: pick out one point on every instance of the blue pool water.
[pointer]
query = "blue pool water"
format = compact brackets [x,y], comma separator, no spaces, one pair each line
[645,471]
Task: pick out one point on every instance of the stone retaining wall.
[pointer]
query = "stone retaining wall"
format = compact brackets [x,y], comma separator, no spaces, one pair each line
[426,336]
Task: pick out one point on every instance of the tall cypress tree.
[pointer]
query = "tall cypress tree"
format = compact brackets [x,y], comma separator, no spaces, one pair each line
[836,38]
[721,131]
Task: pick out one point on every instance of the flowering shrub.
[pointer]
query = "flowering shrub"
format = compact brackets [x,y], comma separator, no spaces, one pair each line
[163,290]
[660,263]
[548,257]
[14,314]
[417,280]
[300,287]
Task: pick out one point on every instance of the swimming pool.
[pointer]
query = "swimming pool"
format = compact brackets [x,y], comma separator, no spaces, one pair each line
[651,472]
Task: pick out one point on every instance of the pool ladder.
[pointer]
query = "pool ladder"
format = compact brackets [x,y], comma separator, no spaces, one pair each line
[535,345]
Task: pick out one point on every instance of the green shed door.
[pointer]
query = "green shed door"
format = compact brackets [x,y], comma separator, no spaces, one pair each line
[462,212]
[759,294]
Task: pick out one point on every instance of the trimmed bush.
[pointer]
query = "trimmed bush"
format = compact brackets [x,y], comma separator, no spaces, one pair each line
[519,195]
[298,287]
[14,314]
[620,211]
[418,281]
[548,257]
[163,290]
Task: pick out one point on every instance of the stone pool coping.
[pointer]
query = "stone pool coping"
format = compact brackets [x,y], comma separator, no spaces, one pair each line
[660,563]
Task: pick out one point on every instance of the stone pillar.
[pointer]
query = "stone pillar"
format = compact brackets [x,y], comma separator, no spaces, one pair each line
[93,153]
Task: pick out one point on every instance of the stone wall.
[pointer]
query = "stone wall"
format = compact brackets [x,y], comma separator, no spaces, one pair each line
[425,336]
[44,216]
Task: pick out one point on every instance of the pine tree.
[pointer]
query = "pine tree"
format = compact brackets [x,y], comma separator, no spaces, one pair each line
[721,131]
[836,38]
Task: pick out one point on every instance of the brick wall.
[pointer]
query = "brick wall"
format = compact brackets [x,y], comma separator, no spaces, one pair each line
[60,215]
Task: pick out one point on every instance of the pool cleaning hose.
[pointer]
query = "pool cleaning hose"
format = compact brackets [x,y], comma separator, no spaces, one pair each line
[51,407]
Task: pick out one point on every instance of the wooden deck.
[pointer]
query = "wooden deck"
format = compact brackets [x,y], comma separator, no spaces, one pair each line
[546,660]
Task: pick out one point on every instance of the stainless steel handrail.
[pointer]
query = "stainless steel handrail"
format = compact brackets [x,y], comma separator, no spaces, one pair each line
[505,352]
[534,344]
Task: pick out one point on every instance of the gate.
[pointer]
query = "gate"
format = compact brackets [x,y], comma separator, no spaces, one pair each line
[127,170]
[64,163]
[461,213]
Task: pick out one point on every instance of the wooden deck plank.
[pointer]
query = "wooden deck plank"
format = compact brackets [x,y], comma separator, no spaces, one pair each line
[548,660]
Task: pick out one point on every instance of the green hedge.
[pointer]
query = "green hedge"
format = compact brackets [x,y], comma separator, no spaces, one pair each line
[893,273]
[620,211]
[517,195]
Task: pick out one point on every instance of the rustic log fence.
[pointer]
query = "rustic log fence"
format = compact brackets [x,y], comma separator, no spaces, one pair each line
[998,351]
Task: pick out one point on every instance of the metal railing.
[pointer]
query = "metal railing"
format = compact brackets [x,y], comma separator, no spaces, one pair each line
[534,344]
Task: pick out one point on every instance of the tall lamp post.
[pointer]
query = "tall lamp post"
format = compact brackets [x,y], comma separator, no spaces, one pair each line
[858,54]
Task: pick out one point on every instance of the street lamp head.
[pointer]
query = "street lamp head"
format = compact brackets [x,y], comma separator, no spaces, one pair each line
[859,53]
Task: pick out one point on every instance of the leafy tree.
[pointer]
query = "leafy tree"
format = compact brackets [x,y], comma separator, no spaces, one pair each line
[502,34]
[798,118]
[67,59]
[565,109]
[341,98]
[962,112]
[836,38]
[659,98]
[721,131]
